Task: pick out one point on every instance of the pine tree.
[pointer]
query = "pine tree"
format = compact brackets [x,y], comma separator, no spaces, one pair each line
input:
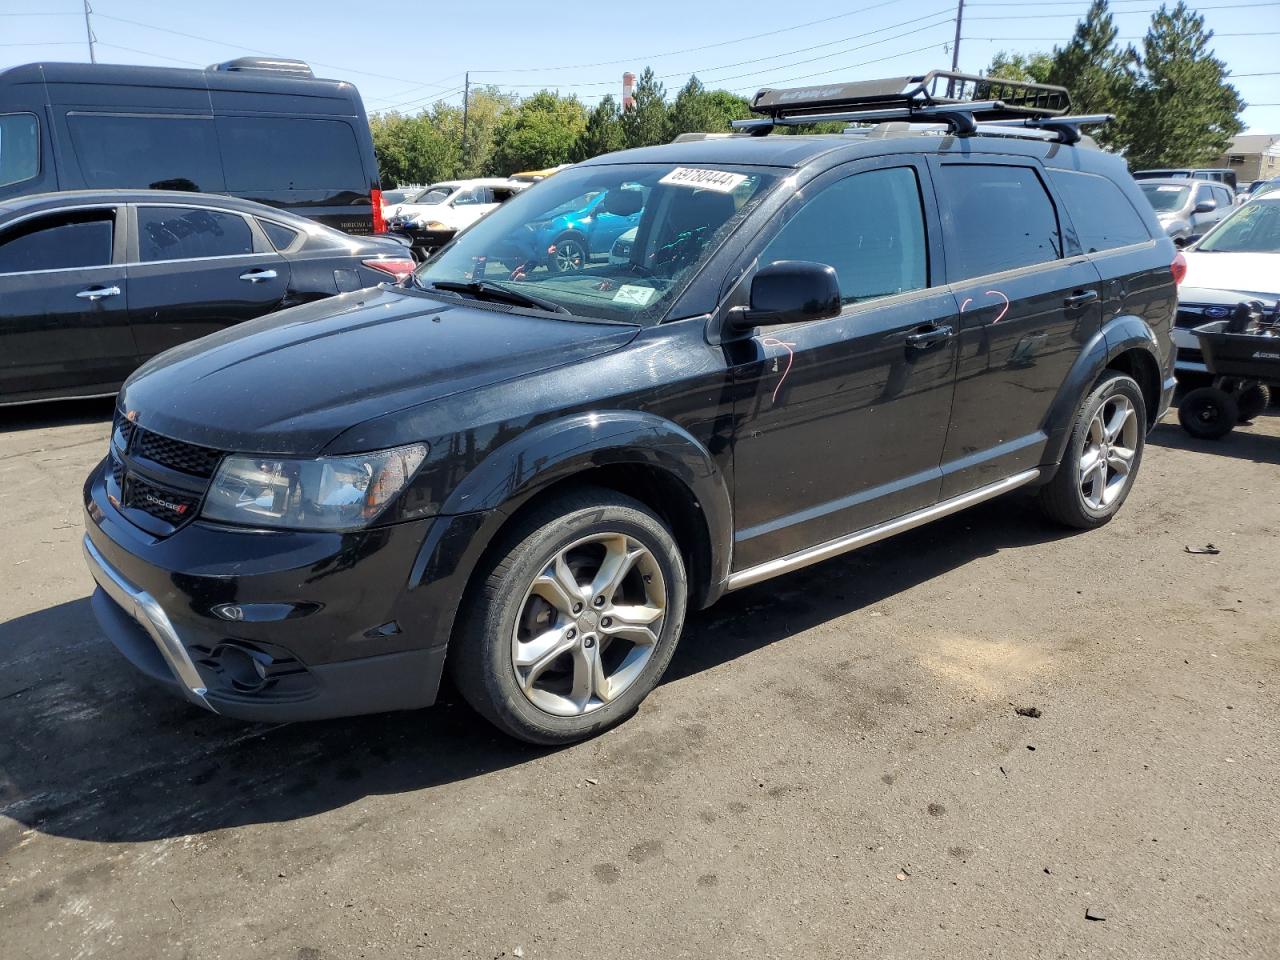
[646,123]
[1183,111]
[693,111]
[1097,73]
[603,132]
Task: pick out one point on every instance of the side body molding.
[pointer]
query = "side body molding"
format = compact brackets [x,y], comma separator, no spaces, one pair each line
[551,452]
[1119,335]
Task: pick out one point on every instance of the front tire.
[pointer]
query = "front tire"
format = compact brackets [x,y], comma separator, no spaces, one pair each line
[1102,457]
[574,621]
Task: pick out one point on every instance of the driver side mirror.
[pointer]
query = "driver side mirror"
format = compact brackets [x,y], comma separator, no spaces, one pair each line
[622,203]
[789,291]
[1206,206]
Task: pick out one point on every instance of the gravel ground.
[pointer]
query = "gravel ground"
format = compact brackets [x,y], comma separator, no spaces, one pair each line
[833,768]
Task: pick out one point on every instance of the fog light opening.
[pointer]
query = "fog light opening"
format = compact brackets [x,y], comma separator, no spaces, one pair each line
[245,668]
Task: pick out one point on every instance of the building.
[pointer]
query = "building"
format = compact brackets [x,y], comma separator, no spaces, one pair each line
[1253,156]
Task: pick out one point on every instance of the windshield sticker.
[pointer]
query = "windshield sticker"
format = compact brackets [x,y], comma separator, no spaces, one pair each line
[1167,189]
[717,180]
[629,293]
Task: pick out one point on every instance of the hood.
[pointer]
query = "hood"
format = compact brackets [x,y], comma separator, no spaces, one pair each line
[292,381]
[1253,273]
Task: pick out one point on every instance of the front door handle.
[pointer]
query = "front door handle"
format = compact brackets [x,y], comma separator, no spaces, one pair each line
[97,293]
[258,276]
[1080,299]
[923,339]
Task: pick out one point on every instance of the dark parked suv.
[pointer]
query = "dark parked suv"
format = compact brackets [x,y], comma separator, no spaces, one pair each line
[530,475]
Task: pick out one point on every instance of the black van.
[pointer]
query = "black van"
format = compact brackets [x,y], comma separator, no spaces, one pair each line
[261,129]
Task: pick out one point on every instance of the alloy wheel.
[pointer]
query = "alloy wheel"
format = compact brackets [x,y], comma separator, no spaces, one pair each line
[1109,449]
[589,624]
[570,256]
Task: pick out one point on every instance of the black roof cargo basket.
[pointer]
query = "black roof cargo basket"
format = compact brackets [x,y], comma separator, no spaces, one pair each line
[960,100]
[292,68]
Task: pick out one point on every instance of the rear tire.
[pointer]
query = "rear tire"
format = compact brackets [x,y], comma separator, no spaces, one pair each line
[1102,457]
[574,621]
[1208,413]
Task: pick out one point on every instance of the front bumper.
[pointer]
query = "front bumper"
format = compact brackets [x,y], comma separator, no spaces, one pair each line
[270,625]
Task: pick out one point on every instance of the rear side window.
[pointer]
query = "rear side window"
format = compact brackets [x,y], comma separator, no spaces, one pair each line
[1103,216]
[19,147]
[184,233]
[59,242]
[281,237]
[1000,218]
[283,153]
[158,153]
[869,226]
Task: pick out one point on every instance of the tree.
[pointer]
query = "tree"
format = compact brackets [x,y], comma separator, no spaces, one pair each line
[411,149]
[646,122]
[541,132]
[1095,71]
[729,106]
[602,132]
[1029,68]
[1183,111]
[487,104]
[693,111]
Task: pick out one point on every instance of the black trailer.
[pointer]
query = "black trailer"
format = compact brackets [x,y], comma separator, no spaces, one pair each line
[1243,354]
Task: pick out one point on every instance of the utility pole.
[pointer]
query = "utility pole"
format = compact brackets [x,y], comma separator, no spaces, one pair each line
[88,31]
[955,47]
[466,108]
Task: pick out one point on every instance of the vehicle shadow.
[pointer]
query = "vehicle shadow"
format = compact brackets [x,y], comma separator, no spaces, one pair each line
[95,753]
[57,413]
[1245,442]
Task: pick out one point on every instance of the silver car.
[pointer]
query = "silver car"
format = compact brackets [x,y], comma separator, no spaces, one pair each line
[1186,207]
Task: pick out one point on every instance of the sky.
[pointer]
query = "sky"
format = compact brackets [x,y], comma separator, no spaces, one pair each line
[407,55]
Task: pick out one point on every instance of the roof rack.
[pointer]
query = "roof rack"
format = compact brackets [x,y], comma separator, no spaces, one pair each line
[966,100]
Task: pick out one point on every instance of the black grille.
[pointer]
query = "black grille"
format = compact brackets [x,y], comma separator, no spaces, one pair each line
[1187,320]
[117,470]
[1190,355]
[174,454]
[124,426]
[172,507]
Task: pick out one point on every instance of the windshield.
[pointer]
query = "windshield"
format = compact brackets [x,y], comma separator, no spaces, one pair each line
[535,245]
[1253,228]
[433,195]
[1271,186]
[1164,197]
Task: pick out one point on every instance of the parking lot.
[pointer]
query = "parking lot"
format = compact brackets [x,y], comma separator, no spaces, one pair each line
[833,766]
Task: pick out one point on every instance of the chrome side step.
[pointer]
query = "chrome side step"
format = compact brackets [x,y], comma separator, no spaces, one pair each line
[832,548]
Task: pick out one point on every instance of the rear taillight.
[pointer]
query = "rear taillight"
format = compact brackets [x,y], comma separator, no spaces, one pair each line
[398,267]
[375,198]
[1179,267]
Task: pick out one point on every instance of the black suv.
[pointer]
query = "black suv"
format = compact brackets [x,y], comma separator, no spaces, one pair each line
[529,476]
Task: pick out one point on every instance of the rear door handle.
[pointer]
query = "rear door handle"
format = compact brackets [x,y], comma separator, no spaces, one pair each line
[98,293]
[1080,299]
[922,339]
[258,276]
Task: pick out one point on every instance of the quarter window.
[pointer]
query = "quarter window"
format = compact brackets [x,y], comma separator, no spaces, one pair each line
[1103,216]
[19,147]
[62,242]
[158,153]
[281,237]
[869,227]
[184,233]
[1000,218]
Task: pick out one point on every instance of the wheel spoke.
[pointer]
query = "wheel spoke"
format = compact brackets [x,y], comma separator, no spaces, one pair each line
[1089,461]
[1116,423]
[551,587]
[586,667]
[1120,460]
[619,558]
[535,655]
[1097,432]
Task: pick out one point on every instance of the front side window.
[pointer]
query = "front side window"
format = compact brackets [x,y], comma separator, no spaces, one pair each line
[869,227]
[470,197]
[529,246]
[1253,228]
[1001,218]
[59,242]
[184,233]
[1103,216]
[19,147]
[433,195]
[156,152]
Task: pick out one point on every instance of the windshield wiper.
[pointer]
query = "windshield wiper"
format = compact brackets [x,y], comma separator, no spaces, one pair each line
[488,290]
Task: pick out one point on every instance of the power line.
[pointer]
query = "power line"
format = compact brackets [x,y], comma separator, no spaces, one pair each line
[850,66]
[1251,33]
[1119,13]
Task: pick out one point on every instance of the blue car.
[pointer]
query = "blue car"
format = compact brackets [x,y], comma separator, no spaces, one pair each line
[580,230]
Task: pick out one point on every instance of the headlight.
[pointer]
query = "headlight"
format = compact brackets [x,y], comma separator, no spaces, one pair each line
[329,493]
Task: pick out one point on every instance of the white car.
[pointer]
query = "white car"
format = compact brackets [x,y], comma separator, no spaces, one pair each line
[1237,260]
[451,205]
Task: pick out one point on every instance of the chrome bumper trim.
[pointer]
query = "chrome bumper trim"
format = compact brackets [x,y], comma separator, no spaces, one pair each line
[142,607]
[824,551]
